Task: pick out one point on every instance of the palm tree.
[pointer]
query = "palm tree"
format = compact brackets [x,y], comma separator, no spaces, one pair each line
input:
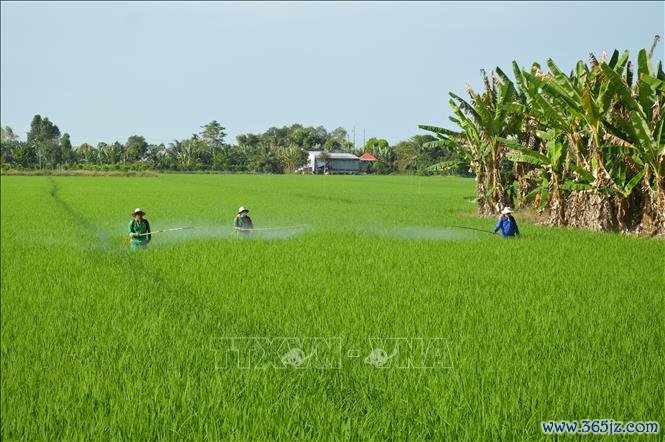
[182,153]
[265,160]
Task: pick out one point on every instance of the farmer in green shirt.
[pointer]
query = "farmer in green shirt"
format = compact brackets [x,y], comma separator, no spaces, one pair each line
[139,230]
[243,223]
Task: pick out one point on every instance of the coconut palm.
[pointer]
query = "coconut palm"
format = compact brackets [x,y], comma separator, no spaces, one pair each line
[265,160]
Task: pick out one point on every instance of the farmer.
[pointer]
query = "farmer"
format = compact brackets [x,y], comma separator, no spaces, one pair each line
[139,230]
[243,223]
[507,224]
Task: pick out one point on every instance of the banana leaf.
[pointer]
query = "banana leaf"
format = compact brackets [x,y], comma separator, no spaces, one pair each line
[618,150]
[531,195]
[447,165]
[658,85]
[525,154]
[644,66]
[563,80]
[585,174]
[556,92]
[643,134]
[524,158]
[544,193]
[620,88]
[466,106]
[439,130]
[441,143]
[574,185]
[591,111]
[628,188]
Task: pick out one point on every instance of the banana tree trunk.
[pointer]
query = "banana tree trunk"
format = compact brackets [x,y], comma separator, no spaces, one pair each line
[557,204]
[653,213]
[592,210]
[482,178]
[525,184]
[499,198]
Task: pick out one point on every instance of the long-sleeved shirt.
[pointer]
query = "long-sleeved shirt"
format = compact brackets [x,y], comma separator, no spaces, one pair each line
[508,226]
[140,227]
[244,222]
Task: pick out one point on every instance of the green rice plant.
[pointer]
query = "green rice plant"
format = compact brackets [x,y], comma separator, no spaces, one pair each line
[100,342]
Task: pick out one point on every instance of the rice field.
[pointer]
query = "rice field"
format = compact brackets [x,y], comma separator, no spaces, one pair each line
[101,342]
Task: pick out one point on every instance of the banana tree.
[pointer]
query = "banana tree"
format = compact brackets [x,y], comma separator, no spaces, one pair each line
[639,130]
[588,144]
[582,105]
[553,174]
[492,114]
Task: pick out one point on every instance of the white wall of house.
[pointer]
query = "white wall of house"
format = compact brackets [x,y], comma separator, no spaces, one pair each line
[337,161]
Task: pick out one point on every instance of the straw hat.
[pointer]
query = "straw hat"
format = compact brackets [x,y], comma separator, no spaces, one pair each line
[242,209]
[506,211]
[138,210]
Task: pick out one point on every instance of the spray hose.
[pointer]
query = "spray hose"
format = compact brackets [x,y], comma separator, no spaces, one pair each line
[267,228]
[165,230]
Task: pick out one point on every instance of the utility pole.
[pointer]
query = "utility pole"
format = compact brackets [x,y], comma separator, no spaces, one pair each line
[354,138]
[364,141]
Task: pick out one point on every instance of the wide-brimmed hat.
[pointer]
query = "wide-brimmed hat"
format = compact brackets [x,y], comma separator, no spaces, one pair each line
[138,210]
[242,209]
[506,211]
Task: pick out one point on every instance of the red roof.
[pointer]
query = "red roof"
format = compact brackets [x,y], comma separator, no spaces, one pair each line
[367,157]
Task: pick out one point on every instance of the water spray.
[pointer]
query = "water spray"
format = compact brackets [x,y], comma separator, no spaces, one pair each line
[236,229]
[472,228]
[164,230]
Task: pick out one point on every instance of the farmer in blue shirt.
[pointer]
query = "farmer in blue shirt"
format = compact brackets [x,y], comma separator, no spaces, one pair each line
[507,224]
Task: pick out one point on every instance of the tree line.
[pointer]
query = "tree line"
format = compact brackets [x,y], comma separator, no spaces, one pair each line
[586,148]
[277,150]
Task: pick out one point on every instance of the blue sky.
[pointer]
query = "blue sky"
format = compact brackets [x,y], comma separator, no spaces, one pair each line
[105,70]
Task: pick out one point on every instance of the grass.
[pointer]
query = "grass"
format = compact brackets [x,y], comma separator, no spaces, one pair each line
[101,342]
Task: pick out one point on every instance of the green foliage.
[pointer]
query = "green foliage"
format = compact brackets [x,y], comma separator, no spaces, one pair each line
[41,130]
[136,148]
[373,145]
[67,152]
[44,137]
[597,130]
[9,145]
[307,138]
[292,157]
[419,153]
[278,150]
[213,134]
[265,160]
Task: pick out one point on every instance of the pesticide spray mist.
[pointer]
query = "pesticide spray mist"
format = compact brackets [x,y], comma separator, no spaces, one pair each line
[225,232]
[431,233]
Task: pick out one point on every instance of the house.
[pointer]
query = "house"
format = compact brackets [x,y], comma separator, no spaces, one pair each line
[334,162]
[366,161]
